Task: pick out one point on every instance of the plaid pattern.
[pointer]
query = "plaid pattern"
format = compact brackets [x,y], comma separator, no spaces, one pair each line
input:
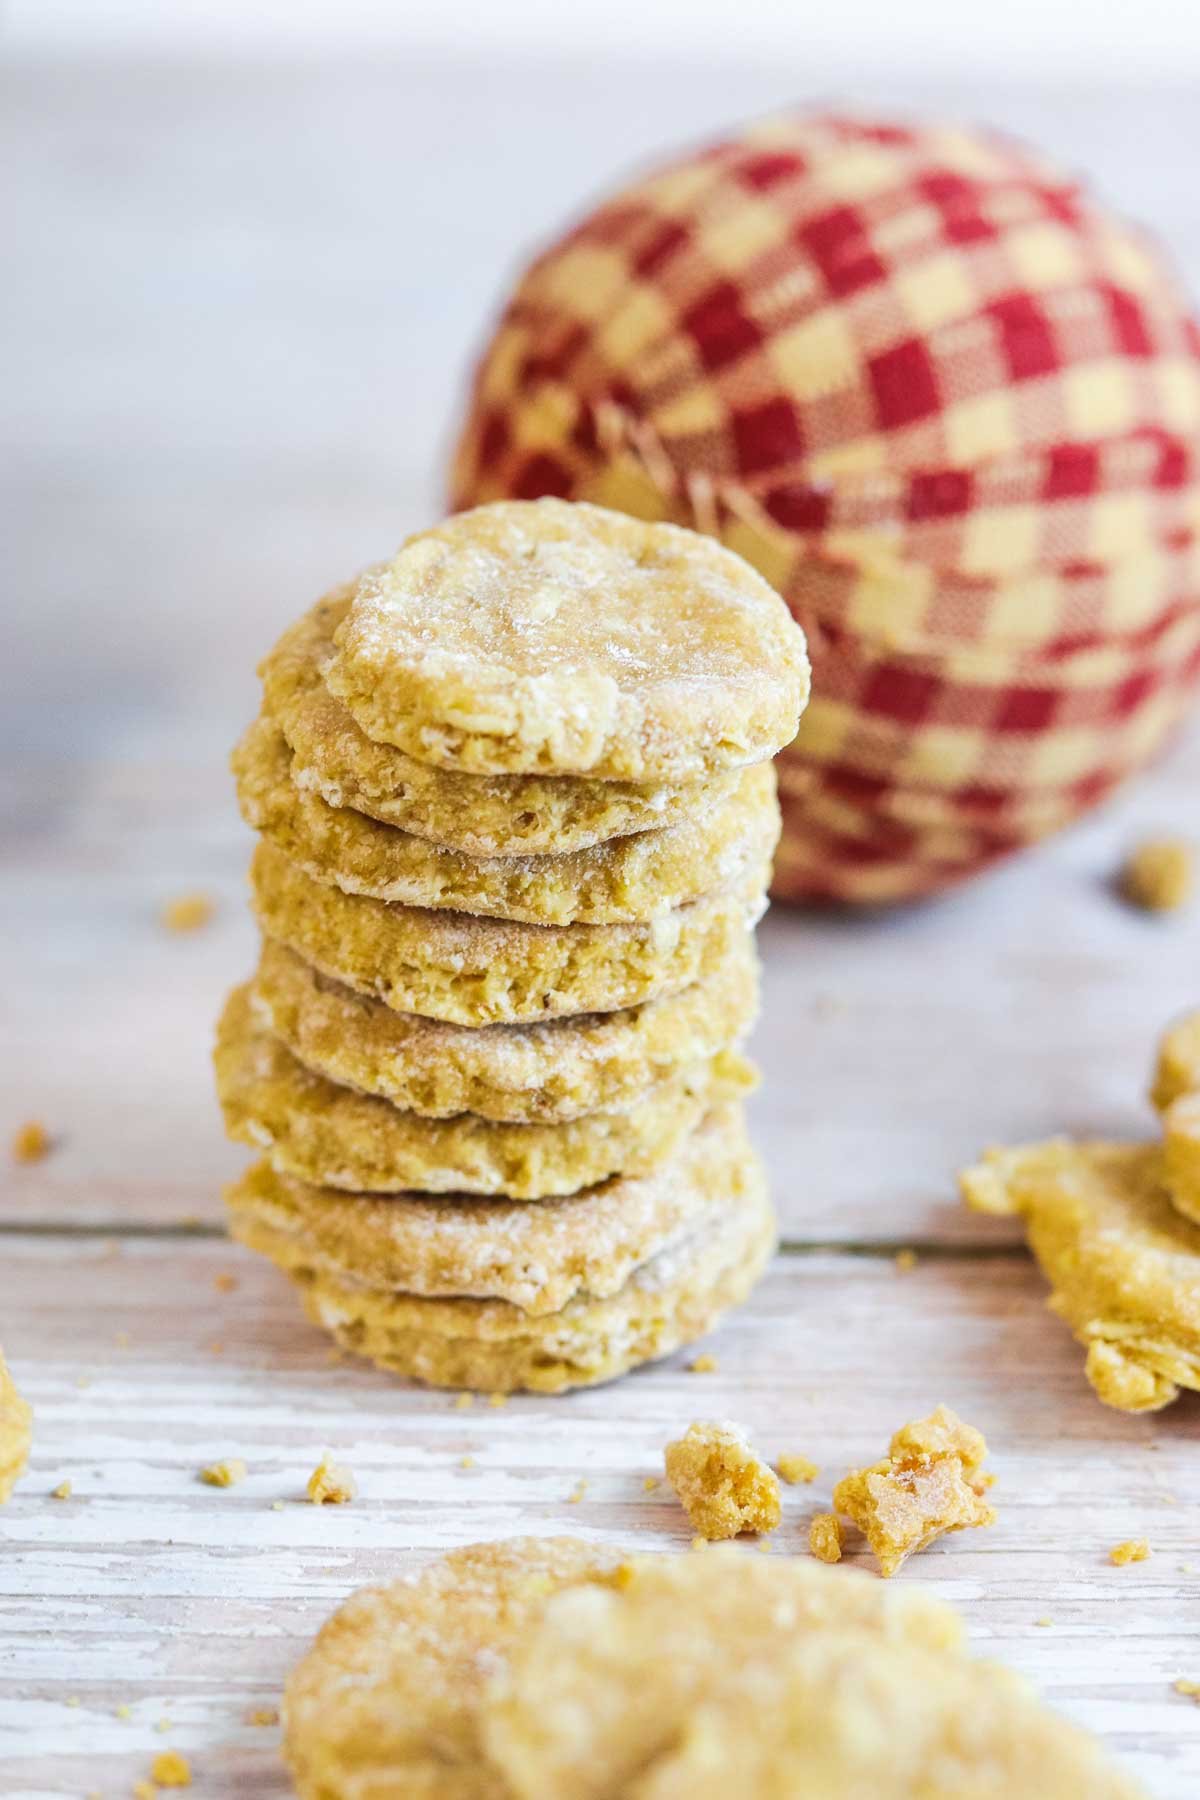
[951,411]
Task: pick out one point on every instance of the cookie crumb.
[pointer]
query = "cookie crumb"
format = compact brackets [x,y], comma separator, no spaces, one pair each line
[703,1365]
[1043,1622]
[723,1486]
[263,1715]
[466,1462]
[61,1492]
[171,1770]
[1159,875]
[650,1484]
[905,1260]
[188,912]
[216,1348]
[497,1399]
[463,1402]
[930,1482]
[277,1506]
[31,1142]
[797,1469]
[699,1543]
[1131,1551]
[144,1790]
[330,1484]
[121,1340]
[226,1473]
[825,1538]
[577,1493]
[123,1711]
[1190,1689]
[224,1282]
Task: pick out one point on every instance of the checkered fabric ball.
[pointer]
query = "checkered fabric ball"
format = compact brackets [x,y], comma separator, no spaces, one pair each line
[949,407]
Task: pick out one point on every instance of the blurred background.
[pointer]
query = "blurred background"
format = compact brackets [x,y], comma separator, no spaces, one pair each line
[253,246]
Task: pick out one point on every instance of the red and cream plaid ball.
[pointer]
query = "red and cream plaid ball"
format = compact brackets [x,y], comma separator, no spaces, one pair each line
[948,406]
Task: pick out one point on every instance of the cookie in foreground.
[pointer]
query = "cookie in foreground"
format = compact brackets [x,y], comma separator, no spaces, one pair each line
[552,1670]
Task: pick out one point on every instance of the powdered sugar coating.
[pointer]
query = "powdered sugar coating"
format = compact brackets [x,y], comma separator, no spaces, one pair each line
[545,637]
[625,879]
[522,1074]
[534,1257]
[321,1133]
[474,971]
[483,815]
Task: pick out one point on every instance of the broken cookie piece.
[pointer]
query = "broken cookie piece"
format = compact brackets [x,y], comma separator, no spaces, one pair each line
[1122,1260]
[724,1487]
[929,1483]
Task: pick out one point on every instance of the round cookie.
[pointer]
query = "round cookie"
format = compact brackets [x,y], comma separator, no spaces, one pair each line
[472,971]
[628,879]
[332,1136]
[521,1074]
[701,1677]
[1124,1264]
[543,637]
[482,815]
[535,1258]
[493,1346]
[387,1699]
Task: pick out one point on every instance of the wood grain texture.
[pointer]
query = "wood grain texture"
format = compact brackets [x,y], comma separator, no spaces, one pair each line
[150,1590]
[238,329]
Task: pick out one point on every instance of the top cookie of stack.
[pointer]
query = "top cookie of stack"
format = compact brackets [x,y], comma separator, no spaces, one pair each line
[516,824]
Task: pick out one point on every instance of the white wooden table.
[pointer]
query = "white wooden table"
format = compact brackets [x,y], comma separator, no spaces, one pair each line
[213,419]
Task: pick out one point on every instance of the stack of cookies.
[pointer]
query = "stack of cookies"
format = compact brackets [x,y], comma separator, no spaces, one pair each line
[517,819]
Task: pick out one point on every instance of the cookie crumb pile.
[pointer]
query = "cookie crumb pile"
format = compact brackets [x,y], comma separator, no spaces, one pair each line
[549,1670]
[516,823]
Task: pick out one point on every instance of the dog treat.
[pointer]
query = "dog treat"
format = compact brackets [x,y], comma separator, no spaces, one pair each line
[929,1483]
[723,1486]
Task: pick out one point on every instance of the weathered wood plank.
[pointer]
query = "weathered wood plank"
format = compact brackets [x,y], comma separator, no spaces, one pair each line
[147,1589]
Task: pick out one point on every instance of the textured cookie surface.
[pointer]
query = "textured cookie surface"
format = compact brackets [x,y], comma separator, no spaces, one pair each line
[705,1677]
[331,1136]
[539,636]
[494,1346]
[629,878]
[1124,1264]
[472,971]
[524,1074]
[16,1431]
[483,815]
[535,1257]
[386,1702]
[596,1696]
